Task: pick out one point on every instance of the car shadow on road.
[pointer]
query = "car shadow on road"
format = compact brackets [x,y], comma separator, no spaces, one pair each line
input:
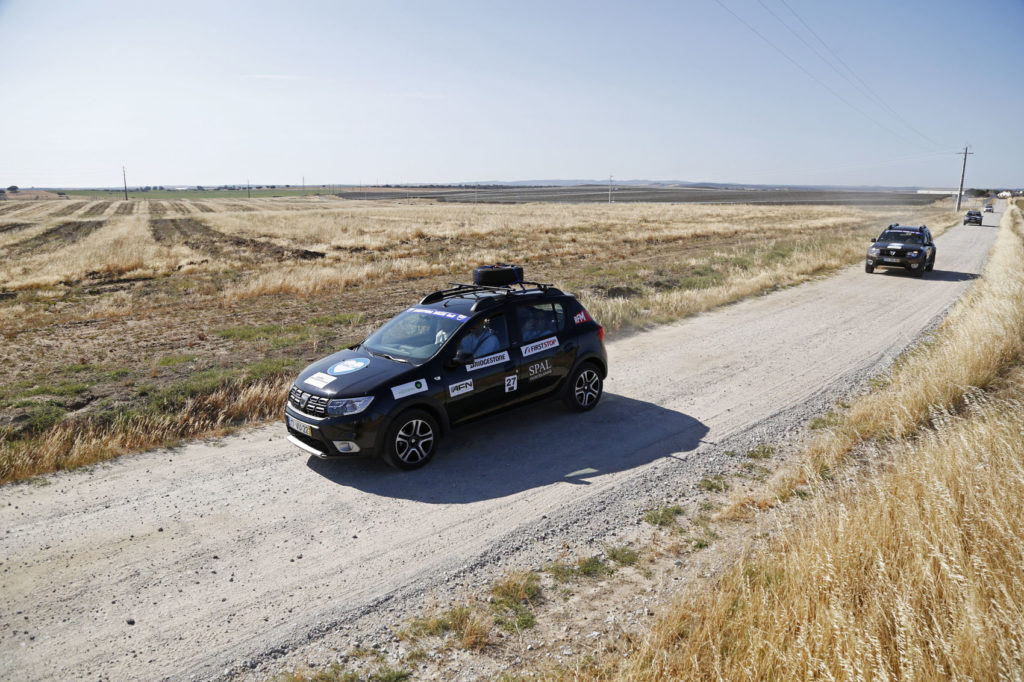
[934,275]
[527,448]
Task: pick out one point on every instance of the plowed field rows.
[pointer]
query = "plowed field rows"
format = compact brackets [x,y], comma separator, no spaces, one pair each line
[201,237]
[125,208]
[97,209]
[56,237]
[203,208]
[67,210]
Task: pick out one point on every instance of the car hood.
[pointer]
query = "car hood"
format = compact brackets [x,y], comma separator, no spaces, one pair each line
[897,245]
[351,373]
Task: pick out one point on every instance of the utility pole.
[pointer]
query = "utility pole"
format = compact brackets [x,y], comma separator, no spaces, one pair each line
[124,177]
[963,171]
[248,189]
[609,188]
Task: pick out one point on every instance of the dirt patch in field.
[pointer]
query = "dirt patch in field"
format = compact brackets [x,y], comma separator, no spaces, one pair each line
[125,208]
[56,237]
[97,209]
[200,237]
[157,208]
[67,210]
[203,208]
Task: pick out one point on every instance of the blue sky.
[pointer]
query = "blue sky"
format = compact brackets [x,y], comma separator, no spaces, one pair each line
[399,92]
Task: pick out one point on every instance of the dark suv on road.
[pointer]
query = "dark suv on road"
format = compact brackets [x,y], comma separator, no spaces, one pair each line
[460,353]
[902,246]
[973,218]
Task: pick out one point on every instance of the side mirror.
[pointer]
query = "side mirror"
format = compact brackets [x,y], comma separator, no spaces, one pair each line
[462,357]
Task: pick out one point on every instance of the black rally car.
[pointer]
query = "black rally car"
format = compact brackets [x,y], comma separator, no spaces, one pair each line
[902,246]
[458,354]
[973,218]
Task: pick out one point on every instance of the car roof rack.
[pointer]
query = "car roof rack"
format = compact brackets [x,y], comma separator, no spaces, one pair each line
[484,293]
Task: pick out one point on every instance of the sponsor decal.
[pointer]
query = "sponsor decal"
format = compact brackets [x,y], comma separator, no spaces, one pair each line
[895,246]
[540,369]
[439,313]
[348,366]
[460,388]
[487,361]
[511,383]
[417,386]
[581,317]
[319,379]
[539,346]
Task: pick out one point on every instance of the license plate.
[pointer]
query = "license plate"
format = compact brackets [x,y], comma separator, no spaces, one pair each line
[301,427]
[891,260]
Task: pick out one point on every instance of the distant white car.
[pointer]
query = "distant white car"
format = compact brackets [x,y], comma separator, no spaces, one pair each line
[990,209]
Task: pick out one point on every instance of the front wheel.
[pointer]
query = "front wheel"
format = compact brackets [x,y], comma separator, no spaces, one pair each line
[411,440]
[583,389]
[931,265]
[868,268]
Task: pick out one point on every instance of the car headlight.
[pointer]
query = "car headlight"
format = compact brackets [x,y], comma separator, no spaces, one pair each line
[343,406]
[872,251]
[913,254]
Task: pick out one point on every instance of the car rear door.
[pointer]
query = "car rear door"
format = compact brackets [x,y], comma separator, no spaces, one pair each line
[542,348]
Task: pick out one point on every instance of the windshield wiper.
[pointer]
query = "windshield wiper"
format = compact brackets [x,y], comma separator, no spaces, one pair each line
[385,355]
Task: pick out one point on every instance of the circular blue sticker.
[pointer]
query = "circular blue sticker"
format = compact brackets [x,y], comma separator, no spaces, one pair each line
[348,366]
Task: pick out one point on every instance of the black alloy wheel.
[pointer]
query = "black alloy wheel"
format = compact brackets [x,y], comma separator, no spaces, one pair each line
[584,388]
[412,440]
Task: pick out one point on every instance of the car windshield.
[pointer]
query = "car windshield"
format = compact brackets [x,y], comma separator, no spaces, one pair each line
[414,335]
[900,237]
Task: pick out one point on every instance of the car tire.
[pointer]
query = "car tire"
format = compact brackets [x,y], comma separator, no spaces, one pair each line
[869,268]
[931,264]
[411,440]
[497,275]
[584,388]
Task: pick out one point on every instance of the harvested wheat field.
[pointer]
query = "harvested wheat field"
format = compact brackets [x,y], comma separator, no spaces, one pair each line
[128,325]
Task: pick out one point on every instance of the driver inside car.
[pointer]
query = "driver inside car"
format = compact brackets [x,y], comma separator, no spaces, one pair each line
[481,340]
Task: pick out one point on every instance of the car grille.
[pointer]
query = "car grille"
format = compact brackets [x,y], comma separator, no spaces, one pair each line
[307,402]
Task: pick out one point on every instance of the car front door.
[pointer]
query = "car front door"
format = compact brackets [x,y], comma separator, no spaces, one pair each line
[543,351]
[479,386]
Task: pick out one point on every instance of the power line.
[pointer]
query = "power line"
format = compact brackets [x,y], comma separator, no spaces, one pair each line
[866,89]
[809,74]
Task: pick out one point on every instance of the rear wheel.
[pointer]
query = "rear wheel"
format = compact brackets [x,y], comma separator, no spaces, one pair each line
[411,440]
[584,388]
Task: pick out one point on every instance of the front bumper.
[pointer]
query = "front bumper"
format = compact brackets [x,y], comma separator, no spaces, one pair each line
[331,437]
[911,264]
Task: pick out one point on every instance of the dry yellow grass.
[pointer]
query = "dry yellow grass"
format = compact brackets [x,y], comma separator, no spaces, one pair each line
[73,443]
[912,575]
[912,570]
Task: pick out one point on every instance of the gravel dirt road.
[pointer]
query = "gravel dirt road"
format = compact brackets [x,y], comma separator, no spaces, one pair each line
[205,560]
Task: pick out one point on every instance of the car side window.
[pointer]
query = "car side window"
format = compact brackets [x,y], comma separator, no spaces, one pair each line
[487,335]
[539,320]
